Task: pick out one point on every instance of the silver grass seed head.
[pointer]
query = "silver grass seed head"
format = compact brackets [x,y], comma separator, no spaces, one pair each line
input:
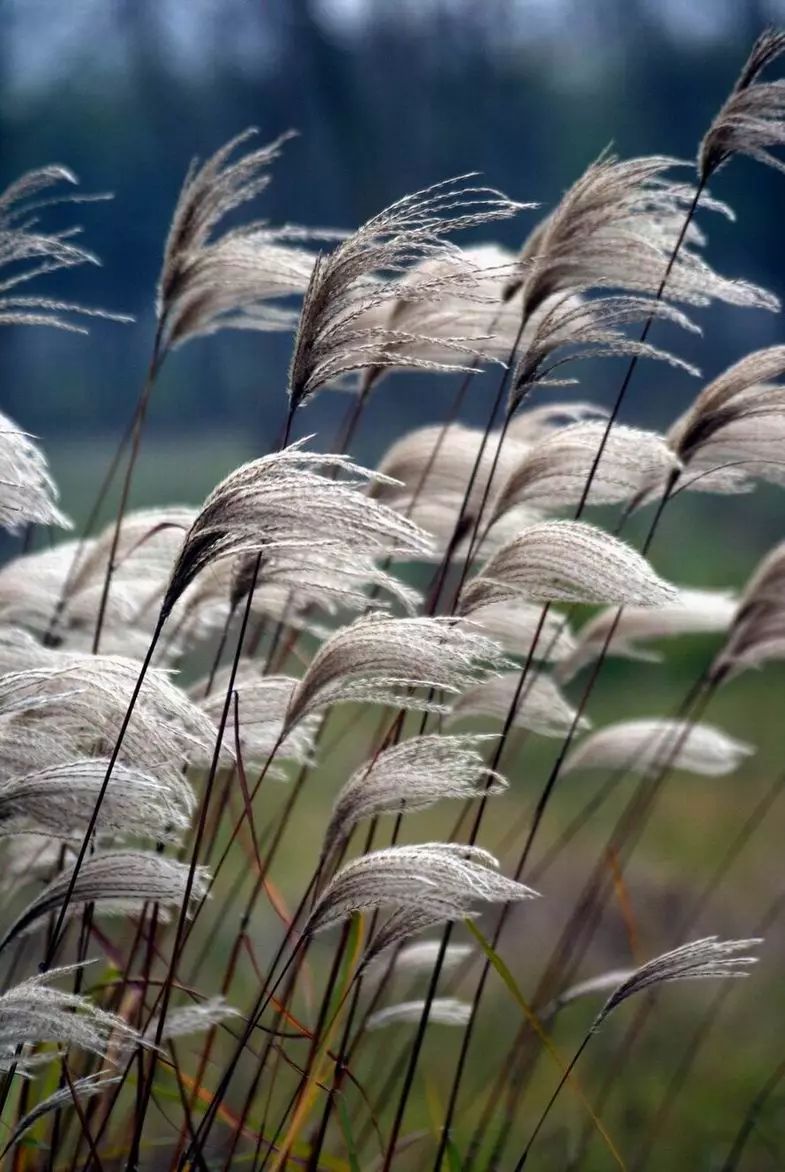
[435,881]
[118,882]
[553,474]
[517,624]
[33,1012]
[286,505]
[369,271]
[449,1011]
[185,1020]
[566,561]
[28,493]
[649,745]
[705,959]
[385,660]
[750,121]
[411,776]
[691,612]
[757,633]
[541,706]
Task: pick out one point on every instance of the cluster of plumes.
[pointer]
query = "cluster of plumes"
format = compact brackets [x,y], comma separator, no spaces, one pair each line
[302,538]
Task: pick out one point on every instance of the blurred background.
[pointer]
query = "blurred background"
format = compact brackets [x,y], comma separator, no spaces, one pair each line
[389,97]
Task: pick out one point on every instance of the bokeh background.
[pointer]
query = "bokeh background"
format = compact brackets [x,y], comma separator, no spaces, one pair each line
[389,96]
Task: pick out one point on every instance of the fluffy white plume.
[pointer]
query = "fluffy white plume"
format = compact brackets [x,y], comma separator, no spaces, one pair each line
[646,746]
[446,881]
[441,1011]
[757,633]
[750,121]
[383,660]
[691,612]
[566,561]
[411,776]
[192,1019]
[285,507]
[516,625]
[263,702]
[27,491]
[119,882]
[542,707]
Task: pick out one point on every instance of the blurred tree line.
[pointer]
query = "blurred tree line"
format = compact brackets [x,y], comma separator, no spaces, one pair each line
[388,97]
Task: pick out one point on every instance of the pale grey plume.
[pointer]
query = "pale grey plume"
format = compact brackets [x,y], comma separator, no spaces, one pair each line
[750,121]
[757,633]
[59,801]
[565,329]
[647,746]
[599,984]
[734,431]
[413,960]
[28,856]
[465,315]
[411,776]
[542,707]
[32,253]
[436,881]
[691,612]
[27,491]
[382,660]
[212,280]
[566,561]
[617,227]
[63,1098]
[441,1011]
[81,699]
[516,625]
[430,469]
[263,702]
[118,882]
[536,423]
[286,505]
[369,271]
[706,959]
[553,474]
[33,1012]
[192,1019]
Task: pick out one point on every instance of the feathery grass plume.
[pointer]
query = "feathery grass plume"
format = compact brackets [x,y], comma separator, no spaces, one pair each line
[441,1011]
[411,776]
[81,1088]
[552,475]
[750,121]
[542,708]
[471,316]
[646,746]
[414,959]
[192,1019]
[382,660]
[443,880]
[118,882]
[587,988]
[566,561]
[27,491]
[757,633]
[565,329]
[59,801]
[371,271]
[533,424]
[211,281]
[28,856]
[81,700]
[33,1012]
[706,959]
[263,702]
[691,612]
[31,253]
[430,469]
[284,506]
[616,227]
[516,625]
[734,431]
